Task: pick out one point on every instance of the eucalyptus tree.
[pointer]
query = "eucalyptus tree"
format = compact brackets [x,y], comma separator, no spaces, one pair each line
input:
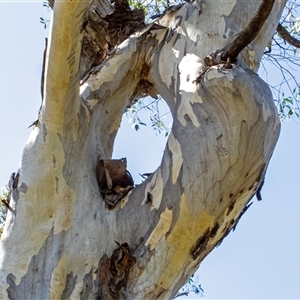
[77,226]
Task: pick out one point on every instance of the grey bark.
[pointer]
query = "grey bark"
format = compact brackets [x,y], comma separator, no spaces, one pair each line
[61,241]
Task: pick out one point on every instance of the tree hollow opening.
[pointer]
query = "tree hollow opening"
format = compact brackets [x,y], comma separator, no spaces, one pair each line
[143,135]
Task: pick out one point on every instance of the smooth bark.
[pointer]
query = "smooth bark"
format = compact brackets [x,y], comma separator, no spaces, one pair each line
[61,241]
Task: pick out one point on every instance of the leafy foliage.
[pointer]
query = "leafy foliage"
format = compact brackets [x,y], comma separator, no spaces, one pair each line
[47,5]
[45,22]
[286,107]
[156,111]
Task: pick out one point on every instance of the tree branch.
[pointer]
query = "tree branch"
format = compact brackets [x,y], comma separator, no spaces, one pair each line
[245,37]
[63,57]
[287,36]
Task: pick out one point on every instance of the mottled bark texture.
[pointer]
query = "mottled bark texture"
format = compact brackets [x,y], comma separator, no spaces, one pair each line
[61,241]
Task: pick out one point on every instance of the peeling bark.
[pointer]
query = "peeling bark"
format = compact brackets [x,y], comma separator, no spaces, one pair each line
[60,243]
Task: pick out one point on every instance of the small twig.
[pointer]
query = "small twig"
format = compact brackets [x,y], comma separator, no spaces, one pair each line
[284,70]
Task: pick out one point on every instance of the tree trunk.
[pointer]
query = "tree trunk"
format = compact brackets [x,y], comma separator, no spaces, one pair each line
[61,239]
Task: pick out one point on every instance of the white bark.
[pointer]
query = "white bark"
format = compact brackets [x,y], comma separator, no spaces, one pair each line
[59,240]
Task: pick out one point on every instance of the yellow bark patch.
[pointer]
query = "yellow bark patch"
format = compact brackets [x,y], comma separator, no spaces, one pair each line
[64,215]
[192,229]
[253,63]
[177,159]
[228,216]
[58,279]
[162,227]
[61,83]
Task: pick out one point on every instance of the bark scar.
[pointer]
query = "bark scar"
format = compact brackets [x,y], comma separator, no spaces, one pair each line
[120,264]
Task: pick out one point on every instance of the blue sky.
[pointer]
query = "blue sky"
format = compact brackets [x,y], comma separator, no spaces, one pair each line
[260,259]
